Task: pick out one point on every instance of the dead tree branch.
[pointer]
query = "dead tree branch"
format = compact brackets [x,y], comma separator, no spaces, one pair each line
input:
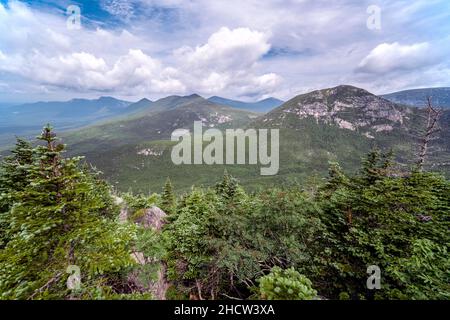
[431,129]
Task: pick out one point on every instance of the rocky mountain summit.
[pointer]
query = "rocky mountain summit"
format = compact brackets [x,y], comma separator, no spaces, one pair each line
[344,106]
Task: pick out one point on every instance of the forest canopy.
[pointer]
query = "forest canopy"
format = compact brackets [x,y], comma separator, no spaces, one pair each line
[292,242]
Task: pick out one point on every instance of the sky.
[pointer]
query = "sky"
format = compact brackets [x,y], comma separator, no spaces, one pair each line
[247,50]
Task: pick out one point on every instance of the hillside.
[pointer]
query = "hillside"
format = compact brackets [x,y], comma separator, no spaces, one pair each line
[418,97]
[159,120]
[359,114]
[338,124]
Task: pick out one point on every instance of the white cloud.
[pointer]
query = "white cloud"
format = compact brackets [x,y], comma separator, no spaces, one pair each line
[227,62]
[227,49]
[388,57]
[221,47]
[134,72]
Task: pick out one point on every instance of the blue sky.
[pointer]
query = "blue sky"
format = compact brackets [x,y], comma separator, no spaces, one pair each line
[238,49]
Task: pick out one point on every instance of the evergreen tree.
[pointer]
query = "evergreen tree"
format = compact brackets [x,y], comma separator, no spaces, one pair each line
[188,250]
[227,187]
[376,165]
[168,198]
[379,219]
[13,176]
[336,179]
[57,220]
[286,284]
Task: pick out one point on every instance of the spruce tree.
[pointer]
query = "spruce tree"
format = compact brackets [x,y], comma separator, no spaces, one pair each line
[57,221]
[227,187]
[13,176]
[336,178]
[390,221]
[168,198]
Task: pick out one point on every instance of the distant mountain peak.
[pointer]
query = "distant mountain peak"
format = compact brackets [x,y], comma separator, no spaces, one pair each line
[194,95]
[348,87]
[144,100]
[259,106]
[108,98]
[271,99]
[344,90]
[418,97]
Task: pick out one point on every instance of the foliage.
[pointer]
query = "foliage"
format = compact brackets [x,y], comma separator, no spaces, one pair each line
[223,242]
[137,204]
[426,273]
[13,176]
[168,202]
[57,216]
[140,201]
[379,217]
[227,187]
[150,246]
[186,237]
[286,284]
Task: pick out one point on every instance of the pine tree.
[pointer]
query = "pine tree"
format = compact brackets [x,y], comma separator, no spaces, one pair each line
[336,178]
[13,176]
[369,170]
[227,187]
[286,284]
[14,166]
[168,198]
[56,221]
[376,165]
[391,221]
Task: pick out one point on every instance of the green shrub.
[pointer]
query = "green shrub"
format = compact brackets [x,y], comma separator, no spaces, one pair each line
[286,284]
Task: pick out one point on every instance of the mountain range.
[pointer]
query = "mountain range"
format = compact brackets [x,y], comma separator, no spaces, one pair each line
[26,119]
[336,124]
[132,148]
[417,97]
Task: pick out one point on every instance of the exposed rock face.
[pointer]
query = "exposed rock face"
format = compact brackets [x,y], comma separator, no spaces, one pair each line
[153,218]
[150,152]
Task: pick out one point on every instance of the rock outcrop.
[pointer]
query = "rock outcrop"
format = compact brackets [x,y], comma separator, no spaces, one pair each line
[153,218]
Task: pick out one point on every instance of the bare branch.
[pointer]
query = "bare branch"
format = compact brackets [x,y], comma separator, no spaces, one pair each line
[431,129]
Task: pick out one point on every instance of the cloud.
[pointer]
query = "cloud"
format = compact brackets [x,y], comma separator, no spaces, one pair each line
[87,60]
[228,62]
[134,72]
[122,9]
[227,49]
[232,48]
[388,57]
